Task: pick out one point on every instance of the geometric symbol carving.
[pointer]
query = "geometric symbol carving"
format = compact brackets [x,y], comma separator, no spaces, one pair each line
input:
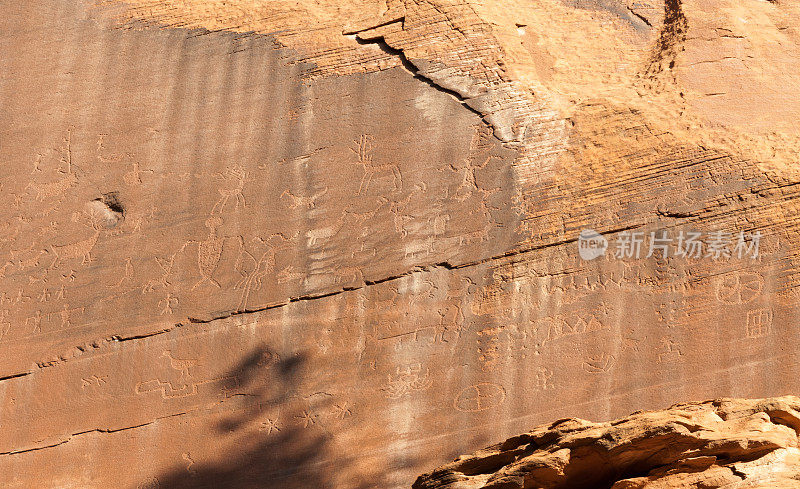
[759,323]
[480,397]
[739,287]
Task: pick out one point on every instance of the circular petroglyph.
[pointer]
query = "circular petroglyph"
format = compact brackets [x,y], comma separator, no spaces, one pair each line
[739,287]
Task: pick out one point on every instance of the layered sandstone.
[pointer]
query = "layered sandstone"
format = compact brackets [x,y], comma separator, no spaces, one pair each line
[726,443]
[326,243]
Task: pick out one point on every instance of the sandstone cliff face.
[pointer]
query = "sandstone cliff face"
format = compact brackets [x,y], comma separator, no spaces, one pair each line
[727,443]
[328,243]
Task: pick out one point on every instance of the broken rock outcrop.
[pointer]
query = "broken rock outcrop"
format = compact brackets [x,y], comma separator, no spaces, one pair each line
[727,443]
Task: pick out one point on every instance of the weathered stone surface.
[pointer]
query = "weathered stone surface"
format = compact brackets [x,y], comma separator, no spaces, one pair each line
[330,243]
[726,443]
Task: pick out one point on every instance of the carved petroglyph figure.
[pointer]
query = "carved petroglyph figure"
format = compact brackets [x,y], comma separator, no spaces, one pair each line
[342,410]
[269,425]
[363,149]
[262,266]
[234,180]
[94,381]
[209,252]
[308,202]
[36,321]
[181,365]
[308,419]
[166,265]
[671,350]
[406,380]
[170,391]
[599,364]
[127,274]
[58,187]
[5,324]
[80,249]
[134,177]
[480,397]
[110,158]
[738,287]
[290,274]
[169,301]
[759,323]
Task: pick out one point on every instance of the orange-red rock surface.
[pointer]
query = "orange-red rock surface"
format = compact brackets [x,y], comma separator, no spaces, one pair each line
[726,443]
[334,243]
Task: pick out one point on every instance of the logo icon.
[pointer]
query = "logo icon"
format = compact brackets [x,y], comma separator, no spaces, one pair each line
[591,244]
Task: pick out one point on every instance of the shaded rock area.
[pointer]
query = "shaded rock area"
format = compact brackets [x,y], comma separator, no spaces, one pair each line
[725,443]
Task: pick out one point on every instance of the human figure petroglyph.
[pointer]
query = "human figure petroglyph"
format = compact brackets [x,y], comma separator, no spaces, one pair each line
[234,180]
[261,266]
[44,295]
[37,164]
[342,410]
[127,274]
[59,187]
[209,252]
[169,301]
[543,379]
[36,319]
[66,315]
[363,149]
[187,457]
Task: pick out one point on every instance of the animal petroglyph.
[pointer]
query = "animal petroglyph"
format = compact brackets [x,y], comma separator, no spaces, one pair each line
[363,150]
[181,365]
[234,180]
[308,202]
[80,249]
